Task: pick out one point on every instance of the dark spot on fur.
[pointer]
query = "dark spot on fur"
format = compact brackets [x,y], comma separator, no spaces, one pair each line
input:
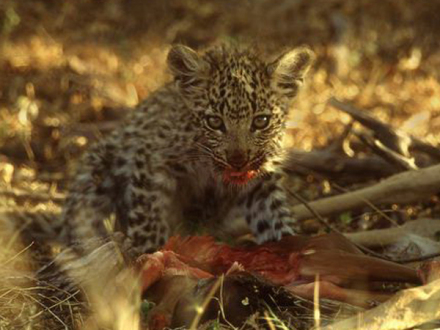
[250,197]
[267,191]
[275,205]
[162,230]
[262,226]
[178,168]
[284,215]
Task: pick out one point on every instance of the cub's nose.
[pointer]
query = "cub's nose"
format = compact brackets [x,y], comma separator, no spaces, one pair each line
[237,158]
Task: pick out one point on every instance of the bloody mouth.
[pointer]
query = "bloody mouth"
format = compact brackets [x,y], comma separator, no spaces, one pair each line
[239,177]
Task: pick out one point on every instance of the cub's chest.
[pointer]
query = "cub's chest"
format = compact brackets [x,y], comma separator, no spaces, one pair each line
[203,196]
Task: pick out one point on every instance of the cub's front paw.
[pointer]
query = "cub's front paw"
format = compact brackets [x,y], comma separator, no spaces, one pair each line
[272,232]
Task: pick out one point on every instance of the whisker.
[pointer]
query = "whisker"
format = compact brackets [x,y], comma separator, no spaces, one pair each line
[211,153]
[203,147]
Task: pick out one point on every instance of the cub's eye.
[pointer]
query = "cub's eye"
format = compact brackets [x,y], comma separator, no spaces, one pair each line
[260,122]
[215,122]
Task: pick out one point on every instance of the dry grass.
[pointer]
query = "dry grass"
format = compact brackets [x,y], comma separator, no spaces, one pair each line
[25,302]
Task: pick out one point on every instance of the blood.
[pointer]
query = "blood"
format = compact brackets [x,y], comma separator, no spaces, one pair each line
[239,178]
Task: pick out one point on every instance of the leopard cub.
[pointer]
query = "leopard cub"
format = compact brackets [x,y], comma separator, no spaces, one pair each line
[213,134]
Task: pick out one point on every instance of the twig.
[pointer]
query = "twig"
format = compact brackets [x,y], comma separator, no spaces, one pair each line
[391,156]
[397,141]
[18,254]
[370,204]
[359,246]
[37,197]
[421,258]
[406,187]
[316,214]
[394,139]
[200,310]
[325,223]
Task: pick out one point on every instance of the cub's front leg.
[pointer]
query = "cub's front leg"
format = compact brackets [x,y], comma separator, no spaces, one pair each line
[265,208]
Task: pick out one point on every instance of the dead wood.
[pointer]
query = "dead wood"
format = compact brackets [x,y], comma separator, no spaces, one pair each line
[403,163]
[391,147]
[426,228]
[405,310]
[393,141]
[327,163]
[412,242]
[407,187]
[433,151]
[21,195]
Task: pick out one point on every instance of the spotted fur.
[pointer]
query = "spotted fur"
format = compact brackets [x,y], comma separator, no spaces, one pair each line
[216,128]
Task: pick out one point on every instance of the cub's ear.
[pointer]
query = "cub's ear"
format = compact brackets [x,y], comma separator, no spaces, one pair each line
[187,66]
[288,71]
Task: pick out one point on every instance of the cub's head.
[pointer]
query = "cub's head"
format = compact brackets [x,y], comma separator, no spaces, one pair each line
[240,104]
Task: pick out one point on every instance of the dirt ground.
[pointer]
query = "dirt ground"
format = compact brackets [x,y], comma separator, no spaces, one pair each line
[70,70]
